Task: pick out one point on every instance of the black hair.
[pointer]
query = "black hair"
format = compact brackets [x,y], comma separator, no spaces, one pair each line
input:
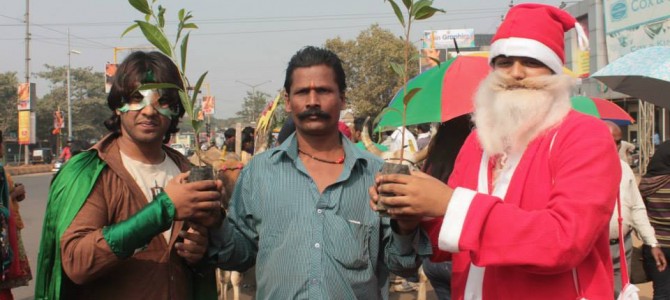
[145,67]
[248,130]
[313,56]
[230,132]
[424,127]
[358,123]
[445,145]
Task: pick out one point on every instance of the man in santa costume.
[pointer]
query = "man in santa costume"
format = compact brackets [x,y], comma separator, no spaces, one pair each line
[526,210]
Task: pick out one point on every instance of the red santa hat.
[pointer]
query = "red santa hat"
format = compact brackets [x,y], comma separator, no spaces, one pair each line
[536,31]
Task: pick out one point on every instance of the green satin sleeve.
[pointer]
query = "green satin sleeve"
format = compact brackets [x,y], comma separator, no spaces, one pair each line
[137,231]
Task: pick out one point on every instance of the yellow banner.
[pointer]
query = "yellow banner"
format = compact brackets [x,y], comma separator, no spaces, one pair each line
[24,127]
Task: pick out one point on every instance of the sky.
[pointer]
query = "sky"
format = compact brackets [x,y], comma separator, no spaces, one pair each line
[242,44]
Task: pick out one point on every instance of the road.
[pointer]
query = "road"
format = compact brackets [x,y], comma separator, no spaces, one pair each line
[32,211]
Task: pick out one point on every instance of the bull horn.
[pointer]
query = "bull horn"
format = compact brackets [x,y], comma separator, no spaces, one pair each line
[367,141]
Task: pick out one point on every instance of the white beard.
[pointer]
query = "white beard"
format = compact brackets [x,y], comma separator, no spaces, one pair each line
[510,113]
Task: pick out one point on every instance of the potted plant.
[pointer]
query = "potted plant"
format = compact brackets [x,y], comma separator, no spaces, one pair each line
[414,10]
[153,29]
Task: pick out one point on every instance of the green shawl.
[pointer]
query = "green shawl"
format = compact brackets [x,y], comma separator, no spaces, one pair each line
[65,201]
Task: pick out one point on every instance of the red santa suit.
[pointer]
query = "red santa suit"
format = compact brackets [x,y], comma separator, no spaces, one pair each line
[545,236]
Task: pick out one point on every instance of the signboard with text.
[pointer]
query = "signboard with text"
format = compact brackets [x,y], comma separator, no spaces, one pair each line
[444,39]
[635,24]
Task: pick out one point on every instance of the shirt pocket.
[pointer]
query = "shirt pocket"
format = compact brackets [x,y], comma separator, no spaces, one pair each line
[347,242]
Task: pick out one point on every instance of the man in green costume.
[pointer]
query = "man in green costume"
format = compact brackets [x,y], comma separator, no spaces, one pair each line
[122,221]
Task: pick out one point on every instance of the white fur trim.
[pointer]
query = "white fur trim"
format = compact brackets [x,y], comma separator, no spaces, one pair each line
[515,46]
[450,233]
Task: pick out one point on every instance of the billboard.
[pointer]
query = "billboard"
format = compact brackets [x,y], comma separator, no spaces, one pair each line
[208,105]
[581,59]
[26,127]
[25,94]
[58,122]
[110,71]
[635,24]
[444,39]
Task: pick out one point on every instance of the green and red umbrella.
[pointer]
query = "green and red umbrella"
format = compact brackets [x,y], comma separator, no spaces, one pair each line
[446,92]
[602,109]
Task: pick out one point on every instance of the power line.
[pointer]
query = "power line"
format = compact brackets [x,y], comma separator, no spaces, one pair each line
[57,31]
[274,19]
[274,30]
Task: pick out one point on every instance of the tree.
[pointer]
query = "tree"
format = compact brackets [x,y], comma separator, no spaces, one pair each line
[370,80]
[89,103]
[253,105]
[8,101]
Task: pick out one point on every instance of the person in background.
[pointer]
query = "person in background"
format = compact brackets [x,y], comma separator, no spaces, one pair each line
[634,215]
[655,190]
[527,206]
[625,149]
[299,211]
[359,123]
[229,144]
[423,138]
[15,271]
[66,153]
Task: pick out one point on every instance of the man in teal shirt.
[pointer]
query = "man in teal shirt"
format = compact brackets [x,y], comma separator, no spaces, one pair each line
[300,212]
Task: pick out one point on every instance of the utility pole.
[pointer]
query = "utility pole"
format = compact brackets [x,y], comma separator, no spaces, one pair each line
[27,20]
[69,98]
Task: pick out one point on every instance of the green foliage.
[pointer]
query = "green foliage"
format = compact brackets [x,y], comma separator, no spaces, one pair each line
[153,29]
[254,103]
[8,101]
[89,103]
[371,83]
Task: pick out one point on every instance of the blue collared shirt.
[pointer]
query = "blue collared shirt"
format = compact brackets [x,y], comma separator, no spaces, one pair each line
[311,245]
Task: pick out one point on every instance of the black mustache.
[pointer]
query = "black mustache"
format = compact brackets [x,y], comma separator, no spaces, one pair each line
[316,112]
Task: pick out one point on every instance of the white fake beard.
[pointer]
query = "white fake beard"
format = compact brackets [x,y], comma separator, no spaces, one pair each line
[510,113]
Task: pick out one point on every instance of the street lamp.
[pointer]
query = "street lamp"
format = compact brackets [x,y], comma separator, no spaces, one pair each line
[253,86]
[69,99]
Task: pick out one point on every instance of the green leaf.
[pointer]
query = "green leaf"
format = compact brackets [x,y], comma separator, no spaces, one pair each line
[161,16]
[196,88]
[188,106]
[181,15]
[156,37]
[197,124]
[184,46]
[129,29]
[190,26]
[147,17]
[426,12]
[398,13]
[141,5]
[408,97]
[156,86]
[408,3]
[397,68]
[418,6]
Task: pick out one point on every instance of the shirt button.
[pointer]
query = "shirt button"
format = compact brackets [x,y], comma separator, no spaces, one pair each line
[315,281]
[317,245]
[172,278]
[319,211]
